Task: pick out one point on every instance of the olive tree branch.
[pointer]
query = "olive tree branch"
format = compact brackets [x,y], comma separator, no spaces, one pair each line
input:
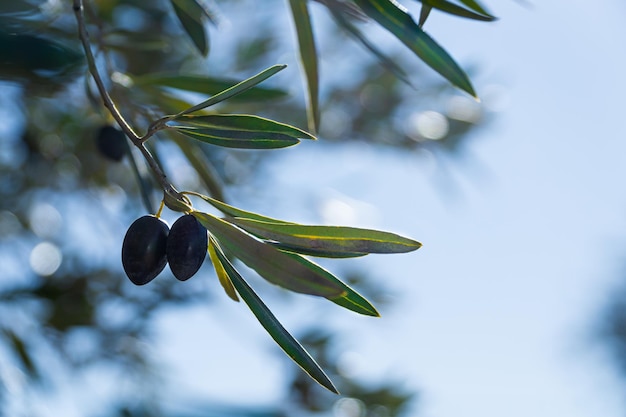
[172,196]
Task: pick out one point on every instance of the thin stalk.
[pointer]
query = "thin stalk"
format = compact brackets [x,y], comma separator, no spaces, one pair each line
[138,141]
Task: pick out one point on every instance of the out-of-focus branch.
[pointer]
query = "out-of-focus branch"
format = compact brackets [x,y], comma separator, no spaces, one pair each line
[138,141]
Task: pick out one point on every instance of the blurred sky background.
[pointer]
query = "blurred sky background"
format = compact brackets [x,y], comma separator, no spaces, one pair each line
[497,310]
[524,234]
[524,237]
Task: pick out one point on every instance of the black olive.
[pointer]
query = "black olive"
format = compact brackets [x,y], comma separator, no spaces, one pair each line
[186,247]
[111,143]
[143,250]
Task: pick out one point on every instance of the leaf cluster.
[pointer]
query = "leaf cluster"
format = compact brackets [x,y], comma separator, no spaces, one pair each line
[274,249]
[271,247]
[277,250]
[396,19]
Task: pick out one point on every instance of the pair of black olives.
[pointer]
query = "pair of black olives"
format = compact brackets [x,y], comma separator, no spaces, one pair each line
[150,244]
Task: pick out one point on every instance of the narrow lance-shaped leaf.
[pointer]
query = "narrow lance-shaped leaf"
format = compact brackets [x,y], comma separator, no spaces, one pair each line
[236,212]
[351,300]
[329,239]
[237,139]
[247,123]
[395,19]
[165,99]
[235,89]
[221,273]
[308,58]
[456,10]
[206,85]
[272,264]
[276,330]
[193,25]
[317,252]
[424,13]
[23,352]
[475,6]
[134,45]
[144,185]
[196,9]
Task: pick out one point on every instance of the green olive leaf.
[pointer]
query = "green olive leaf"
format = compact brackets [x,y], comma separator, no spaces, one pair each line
[23,352]
[206,85]
[245,123]
[386,61]
[145,186]
[308,58]
[328,240]
[316,251]
[475,6]
[240,139]
[275,329]
[192,23]
[233,91]
[424,13]
[351,300]
[236,212]
[393,17]
[269,262]
[197,10]
[221,273]
[456,10]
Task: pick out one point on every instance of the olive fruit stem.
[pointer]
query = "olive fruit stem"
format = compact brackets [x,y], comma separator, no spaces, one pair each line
[158,213]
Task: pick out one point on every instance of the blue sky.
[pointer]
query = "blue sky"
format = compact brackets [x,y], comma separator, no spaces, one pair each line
[514,272]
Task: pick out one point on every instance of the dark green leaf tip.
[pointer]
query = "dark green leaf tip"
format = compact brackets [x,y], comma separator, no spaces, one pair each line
[395,18]
[271,324]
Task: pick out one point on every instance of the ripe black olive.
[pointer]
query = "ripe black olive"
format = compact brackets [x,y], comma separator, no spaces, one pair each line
[111,143]
[186,247]
[143,250]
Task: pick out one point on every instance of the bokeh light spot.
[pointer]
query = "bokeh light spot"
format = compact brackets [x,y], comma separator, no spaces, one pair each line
[349,407]
[429,125]
[379,411]
[45,259]
[122,79]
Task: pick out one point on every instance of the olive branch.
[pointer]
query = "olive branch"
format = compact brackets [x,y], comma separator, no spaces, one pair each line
[278,250]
